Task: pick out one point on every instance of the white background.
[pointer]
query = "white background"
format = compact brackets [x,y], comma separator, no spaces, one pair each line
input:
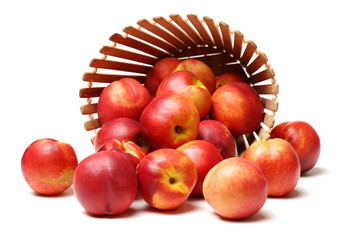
[46,46]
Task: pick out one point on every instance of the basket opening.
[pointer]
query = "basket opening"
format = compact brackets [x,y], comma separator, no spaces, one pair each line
[135,52]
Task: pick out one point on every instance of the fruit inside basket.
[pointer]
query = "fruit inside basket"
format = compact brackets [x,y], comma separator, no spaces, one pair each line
[135,51]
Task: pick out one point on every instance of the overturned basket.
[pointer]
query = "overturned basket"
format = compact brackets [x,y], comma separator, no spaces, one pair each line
[134,53]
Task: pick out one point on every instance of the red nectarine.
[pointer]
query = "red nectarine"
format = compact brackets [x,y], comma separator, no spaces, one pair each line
[48,166]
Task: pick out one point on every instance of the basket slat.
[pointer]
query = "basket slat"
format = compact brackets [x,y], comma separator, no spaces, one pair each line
[248,53]
[250,138]
[261,76]
[92,124]
[201,29]
[263,134]
[187,28]
[174,30]
[214,31]
[121,53]
[267,89]
[138,45]
[88,109]
[198,51]
[243,141]
[270,104]
[238,40]
[226,36]
[234,68]
[216,60]
[268,120]
[108,78]
[161,33]
[120,66]
[257,63]
[149,38]
[90,92]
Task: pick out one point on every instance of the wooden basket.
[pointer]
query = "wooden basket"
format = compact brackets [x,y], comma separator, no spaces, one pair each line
[135,51]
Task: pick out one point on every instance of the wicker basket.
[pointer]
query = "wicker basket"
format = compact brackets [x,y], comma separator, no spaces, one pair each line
[223,50]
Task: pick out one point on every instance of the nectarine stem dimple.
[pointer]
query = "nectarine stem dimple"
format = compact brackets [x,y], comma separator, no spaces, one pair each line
[178,129]
[171,180]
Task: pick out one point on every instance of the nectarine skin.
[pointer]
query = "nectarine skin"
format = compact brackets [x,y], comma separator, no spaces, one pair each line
[118,128]
[166,178]
[238,106]
[229,77]
[105,183]
[204,156]
[123,98]
[200,70]
[48,166]
[219,135]
[169,121]
[235,188]
[303,138]
[159,72]
[186,84]
[279,163]
[131,150]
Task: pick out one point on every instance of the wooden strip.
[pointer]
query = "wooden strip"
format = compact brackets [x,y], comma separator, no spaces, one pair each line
[174,30]
[217,59]
[92,124]
[200,28]
[257,63]
[250,138]
[226,36]
[117,52]
[120,66]
[267,89]
[270,104]
[214,32]
[187,28]
[90,92]
[268,120]
[264,75]
[197,51]
[248,53]
[263,134]
[138,45]
[234,68]
[238,40]
[149,38]
[161,33]
[88,109]
[108,78]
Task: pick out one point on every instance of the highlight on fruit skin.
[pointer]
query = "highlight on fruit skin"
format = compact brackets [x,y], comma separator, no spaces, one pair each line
[105,183]
[48,166]
[303,138]
[235,188]
[166,178]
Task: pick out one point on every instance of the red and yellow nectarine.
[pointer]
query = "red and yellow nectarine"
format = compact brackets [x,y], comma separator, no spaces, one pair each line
[238,106]
[123,98]
[279,163]
[48,166]
[304,139]
[166,178]
[235,188]
[169,121]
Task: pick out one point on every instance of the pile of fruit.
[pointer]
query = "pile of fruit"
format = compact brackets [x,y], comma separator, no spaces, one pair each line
[172,138]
